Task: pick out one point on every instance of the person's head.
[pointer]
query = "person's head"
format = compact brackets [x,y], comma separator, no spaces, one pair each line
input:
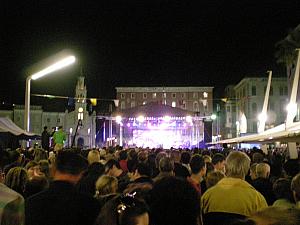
[106,185]
[143,169]
[295,186]
[237,164]
[112,168]
[45,167]
[174,201]
[257,157]
[253,171]
[124,209]
[16,179]
[213,178]
[198,165]
[158,157]
[123,155]
[282,189]
[166,165]
[276,216]
[69,166]
[33,169]
[45,128]
[185,158]
[207,158]
[218,160]
[93,156]
[262,170]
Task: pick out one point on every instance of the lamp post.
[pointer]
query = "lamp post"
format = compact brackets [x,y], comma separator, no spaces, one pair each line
[49,69]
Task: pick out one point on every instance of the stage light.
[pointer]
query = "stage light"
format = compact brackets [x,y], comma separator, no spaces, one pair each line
[118,119]
[140,119]
[167,118]
[188,119]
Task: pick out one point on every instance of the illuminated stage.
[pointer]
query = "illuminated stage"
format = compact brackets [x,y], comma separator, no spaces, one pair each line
[166,127]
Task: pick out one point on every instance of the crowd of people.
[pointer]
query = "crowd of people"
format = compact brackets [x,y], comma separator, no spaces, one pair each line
[135,186]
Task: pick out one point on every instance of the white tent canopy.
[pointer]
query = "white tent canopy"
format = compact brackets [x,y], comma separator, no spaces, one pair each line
[6,125]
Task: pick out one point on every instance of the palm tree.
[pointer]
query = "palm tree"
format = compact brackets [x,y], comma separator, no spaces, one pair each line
[286,53]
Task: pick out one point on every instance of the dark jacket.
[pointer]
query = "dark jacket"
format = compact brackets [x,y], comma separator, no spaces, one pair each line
[61,204]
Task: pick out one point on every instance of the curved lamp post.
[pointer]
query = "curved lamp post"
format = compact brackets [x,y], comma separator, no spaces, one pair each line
[49,69]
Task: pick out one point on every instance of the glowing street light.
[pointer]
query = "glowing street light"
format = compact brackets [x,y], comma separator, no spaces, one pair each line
[61,63]
[213,116]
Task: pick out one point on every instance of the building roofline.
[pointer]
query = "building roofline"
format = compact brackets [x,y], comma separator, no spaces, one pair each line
[163,89]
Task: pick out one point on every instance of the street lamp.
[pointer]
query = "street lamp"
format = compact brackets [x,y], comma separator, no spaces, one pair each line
[49,69]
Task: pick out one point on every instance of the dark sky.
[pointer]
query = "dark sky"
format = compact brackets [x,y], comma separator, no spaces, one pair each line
[141,43]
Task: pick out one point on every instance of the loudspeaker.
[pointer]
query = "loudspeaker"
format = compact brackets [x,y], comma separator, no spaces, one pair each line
[207,131]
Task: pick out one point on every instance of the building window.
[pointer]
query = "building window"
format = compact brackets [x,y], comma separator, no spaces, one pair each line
[254,107]
[285,90]
[253,90]
[182,95]
[205,95]
[173,104]
[195,95]
[122,95]
[229,120]
[132,95]
[173,95]
[233,109]
[122,105]
[228,109]
[154,95]
[58,120]
[281,91]
[132,104]
[144,95]
[196,106]
[184,104]
[48,120]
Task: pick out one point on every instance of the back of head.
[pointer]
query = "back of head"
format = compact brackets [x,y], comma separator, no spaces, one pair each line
[282,189]
[277,216]
[122,210]
[174,201]
[296,187]
[93,156]
[16,179]
[106,185]
[257,157]
[197,163]
[69,162]
[166,165]
[218,157]
[213,178]
[237,164]
[110,163]
[123,155]
[262,170]
[185,157]
[143,169]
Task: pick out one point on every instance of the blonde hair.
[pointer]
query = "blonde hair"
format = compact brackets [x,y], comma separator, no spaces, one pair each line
[262,170]
[237,164]
[105,185]
[16,179]
[93,156]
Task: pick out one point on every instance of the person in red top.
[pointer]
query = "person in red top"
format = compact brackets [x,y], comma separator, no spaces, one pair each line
[123,160]
[198,169]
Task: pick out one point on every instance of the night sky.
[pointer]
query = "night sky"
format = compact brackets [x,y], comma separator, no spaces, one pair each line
[141,43]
